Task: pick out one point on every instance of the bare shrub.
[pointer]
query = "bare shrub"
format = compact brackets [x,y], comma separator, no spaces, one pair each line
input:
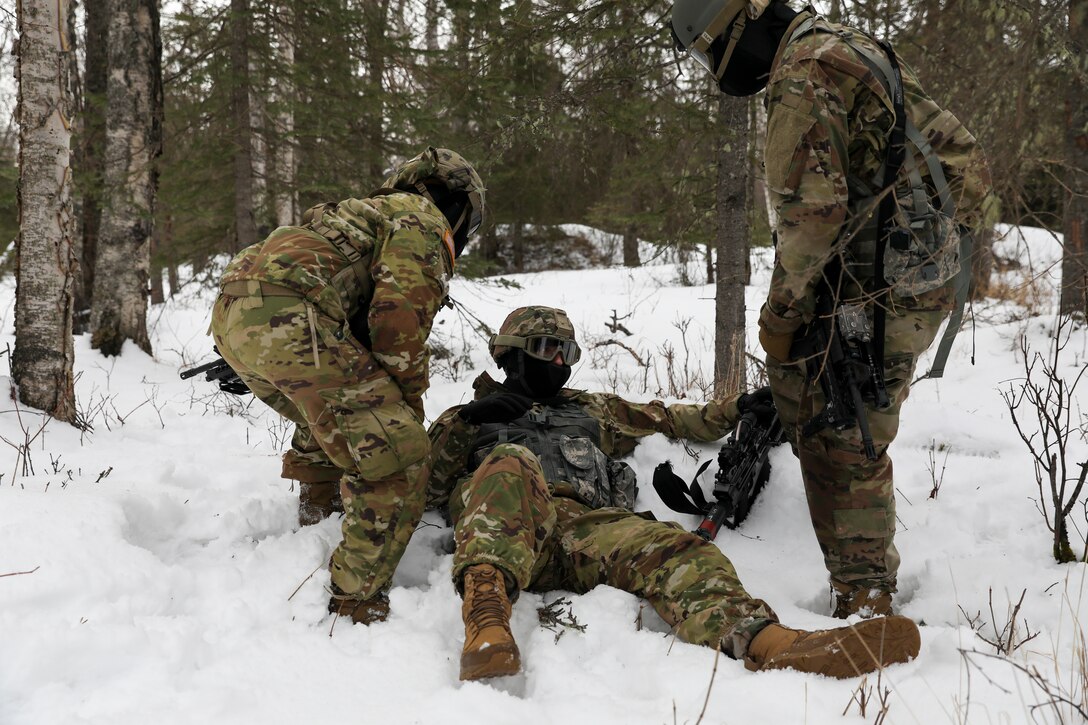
[1049,398]
[1011,636]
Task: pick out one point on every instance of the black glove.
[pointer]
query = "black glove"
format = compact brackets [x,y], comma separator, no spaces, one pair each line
[759,403]
[496,408]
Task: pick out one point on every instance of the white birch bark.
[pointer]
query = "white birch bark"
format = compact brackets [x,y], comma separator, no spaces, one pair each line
[258,149]
[287,211]
[45,267]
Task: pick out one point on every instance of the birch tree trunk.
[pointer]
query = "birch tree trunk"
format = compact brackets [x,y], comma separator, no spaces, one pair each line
[1074,300]
[258,152]
[731,241]
[45,266]
[245,229]
[133,143]
[287,211]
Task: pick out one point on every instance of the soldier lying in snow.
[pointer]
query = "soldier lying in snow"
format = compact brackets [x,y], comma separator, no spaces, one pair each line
[528,471]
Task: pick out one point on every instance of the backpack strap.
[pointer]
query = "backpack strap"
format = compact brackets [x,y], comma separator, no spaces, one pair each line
[886,68]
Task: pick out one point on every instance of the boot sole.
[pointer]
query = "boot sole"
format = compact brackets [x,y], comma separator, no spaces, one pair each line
[856,650]
[495,661]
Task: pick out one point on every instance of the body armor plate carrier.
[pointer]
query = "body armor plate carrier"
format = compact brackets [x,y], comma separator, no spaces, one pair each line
[566,440]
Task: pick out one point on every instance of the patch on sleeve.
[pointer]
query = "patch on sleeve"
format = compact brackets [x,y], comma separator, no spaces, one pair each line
[784,155]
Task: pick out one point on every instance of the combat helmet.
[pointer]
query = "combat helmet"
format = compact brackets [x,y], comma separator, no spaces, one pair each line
[696,24]
[447,179]
[541,332]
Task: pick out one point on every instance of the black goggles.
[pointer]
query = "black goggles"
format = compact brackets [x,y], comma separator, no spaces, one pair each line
[542,347]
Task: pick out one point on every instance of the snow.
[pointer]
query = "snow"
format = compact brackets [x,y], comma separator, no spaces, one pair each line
[171,584]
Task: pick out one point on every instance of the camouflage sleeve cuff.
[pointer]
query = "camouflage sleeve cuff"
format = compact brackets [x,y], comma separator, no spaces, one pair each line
[779,325]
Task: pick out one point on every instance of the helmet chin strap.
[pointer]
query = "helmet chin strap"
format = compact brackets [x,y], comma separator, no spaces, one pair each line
[734,38]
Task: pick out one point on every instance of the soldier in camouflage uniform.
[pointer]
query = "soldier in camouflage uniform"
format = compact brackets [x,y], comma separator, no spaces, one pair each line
[529,474]
[831,114]
[326,322]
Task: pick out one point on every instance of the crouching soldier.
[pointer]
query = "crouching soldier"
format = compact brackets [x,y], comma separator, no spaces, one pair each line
[530,475]
[326,322]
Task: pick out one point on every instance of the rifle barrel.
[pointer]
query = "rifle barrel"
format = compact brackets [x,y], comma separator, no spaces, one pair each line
[186,374]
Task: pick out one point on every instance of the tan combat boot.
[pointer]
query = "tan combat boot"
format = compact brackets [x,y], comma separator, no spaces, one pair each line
[844,652]
[864,601]
[361,611]
[490,650]
[318,501]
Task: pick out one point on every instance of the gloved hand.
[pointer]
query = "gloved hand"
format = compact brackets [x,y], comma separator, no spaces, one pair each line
[495,408]
[777,347]
[758,402]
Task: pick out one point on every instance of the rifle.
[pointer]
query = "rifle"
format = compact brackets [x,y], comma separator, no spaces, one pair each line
[221,372]
[743,469]
[837,350]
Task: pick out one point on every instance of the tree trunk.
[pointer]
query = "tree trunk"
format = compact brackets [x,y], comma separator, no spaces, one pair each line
[245,229]
[287,211]
[258,154]
[377,16]
[158,295]
[75,90]
[92,147]
[731,242]
[1074,300]
[488,246]
[133,144]
[517,246]
[430,33]
[45,266]
[630,247]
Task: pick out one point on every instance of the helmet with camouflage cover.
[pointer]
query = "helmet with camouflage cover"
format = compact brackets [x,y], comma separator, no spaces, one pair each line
[447,179]
[542,332]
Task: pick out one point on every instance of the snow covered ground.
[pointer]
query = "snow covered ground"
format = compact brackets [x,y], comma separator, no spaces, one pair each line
[171,584]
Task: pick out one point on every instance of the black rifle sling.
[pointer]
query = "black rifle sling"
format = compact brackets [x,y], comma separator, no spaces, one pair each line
[894,162]
[677,495]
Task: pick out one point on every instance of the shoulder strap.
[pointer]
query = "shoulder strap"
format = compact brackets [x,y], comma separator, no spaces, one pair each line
[886,68]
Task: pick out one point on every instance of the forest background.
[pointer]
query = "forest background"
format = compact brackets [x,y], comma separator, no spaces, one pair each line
[151,136]
[573,111]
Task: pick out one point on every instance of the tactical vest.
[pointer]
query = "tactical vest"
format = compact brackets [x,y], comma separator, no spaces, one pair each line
[566,440]
[925,248]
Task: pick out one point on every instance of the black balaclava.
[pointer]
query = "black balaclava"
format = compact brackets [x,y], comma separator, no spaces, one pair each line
[452,204]
[749,67]
[540,379]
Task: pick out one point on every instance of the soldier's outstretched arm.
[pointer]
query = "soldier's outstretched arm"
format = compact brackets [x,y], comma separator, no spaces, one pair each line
[806,161]
[629,421]
[410,281]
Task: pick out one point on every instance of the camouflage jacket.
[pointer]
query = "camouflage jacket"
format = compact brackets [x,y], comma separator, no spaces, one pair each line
[622,423]
[379,263]
[829,118]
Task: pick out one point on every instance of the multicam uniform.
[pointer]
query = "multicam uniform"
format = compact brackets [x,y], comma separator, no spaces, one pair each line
[829,118]
[327,323]
[549,533]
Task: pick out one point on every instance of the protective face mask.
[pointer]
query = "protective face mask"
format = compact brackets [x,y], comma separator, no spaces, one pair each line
[539,378]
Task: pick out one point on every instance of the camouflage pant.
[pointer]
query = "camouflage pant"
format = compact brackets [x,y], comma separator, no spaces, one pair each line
[349,418]
[505,515]
[852,499]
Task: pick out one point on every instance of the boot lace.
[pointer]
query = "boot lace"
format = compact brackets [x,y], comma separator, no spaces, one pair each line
[487,605]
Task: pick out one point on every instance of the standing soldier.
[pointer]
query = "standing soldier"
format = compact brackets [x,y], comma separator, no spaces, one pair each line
[327,323]
[876,189]
[528,471]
